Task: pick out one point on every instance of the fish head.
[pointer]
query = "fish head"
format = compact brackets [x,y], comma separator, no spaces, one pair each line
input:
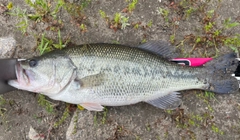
[46,75]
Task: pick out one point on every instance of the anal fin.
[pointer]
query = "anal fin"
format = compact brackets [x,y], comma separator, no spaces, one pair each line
[170,101]
[92,106]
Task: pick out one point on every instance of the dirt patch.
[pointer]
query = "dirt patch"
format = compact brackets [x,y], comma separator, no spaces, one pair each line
[199,28]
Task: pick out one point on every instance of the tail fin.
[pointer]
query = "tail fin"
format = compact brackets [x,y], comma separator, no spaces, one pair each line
[220,71]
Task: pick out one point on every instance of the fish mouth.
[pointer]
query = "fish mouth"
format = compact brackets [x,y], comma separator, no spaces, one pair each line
[22,76]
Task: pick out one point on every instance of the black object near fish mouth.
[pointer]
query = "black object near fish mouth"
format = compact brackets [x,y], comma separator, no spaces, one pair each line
[7,72]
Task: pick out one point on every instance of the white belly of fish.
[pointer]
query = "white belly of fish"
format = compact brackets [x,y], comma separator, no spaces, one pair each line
[120,95]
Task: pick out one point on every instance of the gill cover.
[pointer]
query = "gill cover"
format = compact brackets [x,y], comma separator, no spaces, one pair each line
[46,74]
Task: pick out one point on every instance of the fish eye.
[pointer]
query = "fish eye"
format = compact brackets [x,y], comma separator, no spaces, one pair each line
[33,63]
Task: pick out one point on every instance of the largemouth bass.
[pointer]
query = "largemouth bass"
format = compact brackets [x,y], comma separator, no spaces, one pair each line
[94,75]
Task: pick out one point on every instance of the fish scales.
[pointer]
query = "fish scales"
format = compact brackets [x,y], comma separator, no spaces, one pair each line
[125,83]
[93,75]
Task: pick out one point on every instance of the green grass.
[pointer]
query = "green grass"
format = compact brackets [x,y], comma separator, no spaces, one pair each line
[47,11]
[46,45]
[95,121]
[217,130]
[210,34]
[42,9]
[4,113]
[164,13]
[229,24]
[64,116]
[117,18]
[132,5]
[209,95]
[102,13]
[76,11]
[124,22]
[85,3]
[100,116]
[149,24]
[42,13]
[189,12]
[187,121]
[118,22]
[2,109]
[148,127]
[2,101]
[42,101]
[60,45]
[144,40]
[75,123]
[136,26]
[22,16]
[104,118]
[172,38]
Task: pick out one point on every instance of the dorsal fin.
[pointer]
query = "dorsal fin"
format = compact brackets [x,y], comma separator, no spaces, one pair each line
[162,48]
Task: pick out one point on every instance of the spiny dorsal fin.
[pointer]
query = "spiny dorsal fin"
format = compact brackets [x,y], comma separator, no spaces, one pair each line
[170,101]
[160,48]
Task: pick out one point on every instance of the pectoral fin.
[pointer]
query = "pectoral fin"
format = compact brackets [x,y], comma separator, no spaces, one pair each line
[92,80]
[170,101]
[92,106]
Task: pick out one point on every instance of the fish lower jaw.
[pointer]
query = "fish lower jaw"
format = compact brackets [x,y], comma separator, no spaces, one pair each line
[19,85]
